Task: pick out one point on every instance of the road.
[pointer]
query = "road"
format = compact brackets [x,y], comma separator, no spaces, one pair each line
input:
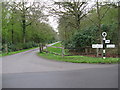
[27,70]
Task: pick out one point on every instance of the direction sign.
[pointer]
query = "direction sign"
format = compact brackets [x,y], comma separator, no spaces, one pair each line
[110,46]
[97,45]
[107,41]
[104,34]
[104,45]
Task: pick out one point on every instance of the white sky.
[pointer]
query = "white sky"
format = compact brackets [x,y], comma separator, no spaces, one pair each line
[52,20]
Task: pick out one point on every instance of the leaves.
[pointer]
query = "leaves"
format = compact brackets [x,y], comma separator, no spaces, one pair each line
[25,20]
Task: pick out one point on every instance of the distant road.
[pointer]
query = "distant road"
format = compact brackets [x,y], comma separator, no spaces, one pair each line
[27,70]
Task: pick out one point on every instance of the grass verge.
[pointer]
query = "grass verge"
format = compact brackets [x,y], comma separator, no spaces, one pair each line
[79,59]
[74,59]
[57,50]
[15,52]
[57,45]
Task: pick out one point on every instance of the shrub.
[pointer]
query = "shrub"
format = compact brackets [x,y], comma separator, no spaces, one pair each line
[15,47]
[29,45]
[18,46]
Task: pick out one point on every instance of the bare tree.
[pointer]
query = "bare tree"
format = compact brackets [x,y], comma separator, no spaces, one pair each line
[73,9]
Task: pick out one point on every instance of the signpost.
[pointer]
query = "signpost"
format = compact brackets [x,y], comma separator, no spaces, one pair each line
[110,46]
[107,41]
[104,45]
[97,45]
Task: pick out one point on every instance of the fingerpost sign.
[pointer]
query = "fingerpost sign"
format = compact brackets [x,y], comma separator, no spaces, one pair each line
[104,45]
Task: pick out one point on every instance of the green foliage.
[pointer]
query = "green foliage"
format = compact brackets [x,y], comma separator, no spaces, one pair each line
[15,47]
[29,45]
[88,36]
[19,46]
[57,45]
[55,50]
[89,31]
[15,52]
[35,30]
[82,40]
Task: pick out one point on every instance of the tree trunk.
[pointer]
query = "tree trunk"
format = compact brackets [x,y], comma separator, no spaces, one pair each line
[118,29]
[12,31]
[12,34]
[99,25]
[24,23]
[99,21]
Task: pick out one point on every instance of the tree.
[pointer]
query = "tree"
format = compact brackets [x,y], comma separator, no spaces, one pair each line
[70,15]
[24,25]
[73,9]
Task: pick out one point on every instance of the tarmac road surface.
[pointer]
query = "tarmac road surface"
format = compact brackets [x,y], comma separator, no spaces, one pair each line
[27,70]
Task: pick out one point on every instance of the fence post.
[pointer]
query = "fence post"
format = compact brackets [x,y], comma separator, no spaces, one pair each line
[6,48]
[40,48]
[46,48]
[63,51]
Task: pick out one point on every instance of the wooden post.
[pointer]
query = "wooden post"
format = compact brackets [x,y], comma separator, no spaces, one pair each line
[6,48]
[97,51]
[46,48]
[63,51]
[86,50]
[40,49]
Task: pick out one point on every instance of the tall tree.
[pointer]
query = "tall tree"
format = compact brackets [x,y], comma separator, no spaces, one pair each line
[73,9]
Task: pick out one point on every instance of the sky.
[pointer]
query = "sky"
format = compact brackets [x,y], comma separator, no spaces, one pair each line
[52,20]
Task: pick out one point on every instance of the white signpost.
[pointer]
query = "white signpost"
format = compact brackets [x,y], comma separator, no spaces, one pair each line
[104,45]
[110,46]
[107,41]
[97,45]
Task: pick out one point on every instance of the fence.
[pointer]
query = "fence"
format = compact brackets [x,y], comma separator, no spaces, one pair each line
[62,50]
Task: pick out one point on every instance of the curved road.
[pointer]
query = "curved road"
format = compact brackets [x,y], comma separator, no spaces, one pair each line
[27,70]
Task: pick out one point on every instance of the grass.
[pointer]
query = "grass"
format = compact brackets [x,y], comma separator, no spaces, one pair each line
[57,45]
[78,59]
[15,52]
[57,50]
[74,59]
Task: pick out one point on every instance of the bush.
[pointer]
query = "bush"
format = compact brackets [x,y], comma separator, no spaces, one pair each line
[15,47]
[18,46]
[82,40]
[29,45]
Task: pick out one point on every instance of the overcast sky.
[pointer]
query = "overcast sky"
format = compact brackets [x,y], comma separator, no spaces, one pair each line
[52,20]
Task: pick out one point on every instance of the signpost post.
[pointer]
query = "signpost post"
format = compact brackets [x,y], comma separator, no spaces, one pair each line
[103,45]
[104,34]
[97,46]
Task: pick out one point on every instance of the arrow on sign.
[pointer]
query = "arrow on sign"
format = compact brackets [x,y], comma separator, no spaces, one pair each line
[107,41]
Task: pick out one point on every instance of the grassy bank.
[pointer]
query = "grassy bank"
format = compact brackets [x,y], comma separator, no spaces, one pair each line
[78,59]
[57,45]
[15,52]
[75,59]
[57,50]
